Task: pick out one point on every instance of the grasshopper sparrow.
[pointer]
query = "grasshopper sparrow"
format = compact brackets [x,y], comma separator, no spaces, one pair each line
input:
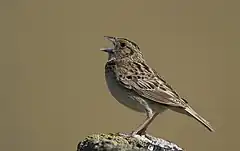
[136,85]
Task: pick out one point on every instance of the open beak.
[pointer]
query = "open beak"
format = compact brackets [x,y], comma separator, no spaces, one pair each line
[113,40]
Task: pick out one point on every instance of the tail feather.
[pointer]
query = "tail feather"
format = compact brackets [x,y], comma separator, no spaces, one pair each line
[199,118]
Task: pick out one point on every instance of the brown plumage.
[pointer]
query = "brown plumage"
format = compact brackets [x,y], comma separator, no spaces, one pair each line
[133,83]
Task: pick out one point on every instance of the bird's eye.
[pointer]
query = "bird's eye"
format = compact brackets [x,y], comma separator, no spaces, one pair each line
[122,44]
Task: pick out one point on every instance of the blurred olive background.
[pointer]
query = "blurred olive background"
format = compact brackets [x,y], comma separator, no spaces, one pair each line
[52,87]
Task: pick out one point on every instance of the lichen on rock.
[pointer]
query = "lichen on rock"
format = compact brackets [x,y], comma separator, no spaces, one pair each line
[117,142]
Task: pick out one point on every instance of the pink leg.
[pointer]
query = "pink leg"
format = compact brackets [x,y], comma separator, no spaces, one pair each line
[141,130]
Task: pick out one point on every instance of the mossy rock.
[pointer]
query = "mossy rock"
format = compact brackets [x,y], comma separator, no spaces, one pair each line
[116,142]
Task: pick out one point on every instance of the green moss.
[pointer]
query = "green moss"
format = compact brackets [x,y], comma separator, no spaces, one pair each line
[114,140]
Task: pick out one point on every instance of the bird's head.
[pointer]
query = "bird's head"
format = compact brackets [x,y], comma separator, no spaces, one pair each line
[122,48]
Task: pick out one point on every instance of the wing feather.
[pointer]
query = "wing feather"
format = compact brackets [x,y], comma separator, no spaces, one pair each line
[150,86]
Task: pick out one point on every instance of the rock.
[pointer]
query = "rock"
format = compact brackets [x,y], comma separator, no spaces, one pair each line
[119,142]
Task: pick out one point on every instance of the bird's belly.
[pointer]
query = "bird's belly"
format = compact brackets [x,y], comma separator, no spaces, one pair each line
[124,96]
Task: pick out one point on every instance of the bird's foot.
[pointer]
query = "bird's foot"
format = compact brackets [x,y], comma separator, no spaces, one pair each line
[125,134]
[141,132]
[133,133]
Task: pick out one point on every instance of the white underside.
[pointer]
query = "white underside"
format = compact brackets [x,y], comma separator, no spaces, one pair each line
[130,98]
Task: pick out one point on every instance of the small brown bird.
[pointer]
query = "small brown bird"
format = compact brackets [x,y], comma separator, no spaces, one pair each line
[134,84]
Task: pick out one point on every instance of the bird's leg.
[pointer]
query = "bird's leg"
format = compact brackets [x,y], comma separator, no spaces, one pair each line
[141,130]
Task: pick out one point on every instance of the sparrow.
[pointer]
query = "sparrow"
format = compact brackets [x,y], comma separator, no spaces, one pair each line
[133,83]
